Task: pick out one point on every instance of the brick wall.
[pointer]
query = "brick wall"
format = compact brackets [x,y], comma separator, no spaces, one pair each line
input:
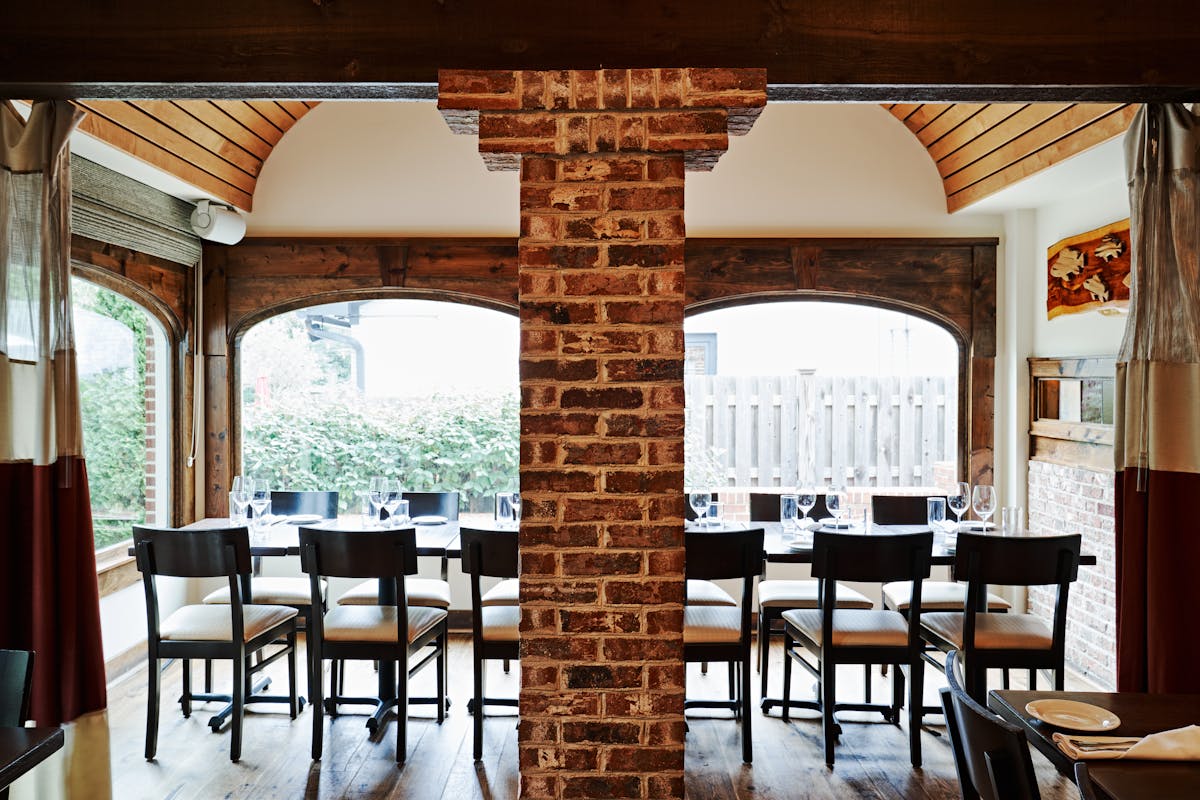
[1065,499]
[602,156]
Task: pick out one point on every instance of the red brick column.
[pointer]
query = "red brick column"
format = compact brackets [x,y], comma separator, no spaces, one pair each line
[602,158]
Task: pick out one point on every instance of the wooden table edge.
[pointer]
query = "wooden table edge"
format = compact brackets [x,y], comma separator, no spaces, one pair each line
[51,742]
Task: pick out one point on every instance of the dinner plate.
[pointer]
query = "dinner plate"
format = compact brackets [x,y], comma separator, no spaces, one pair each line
[429,519]
[973,525]
[303,519]
[830,522]
[1073,715]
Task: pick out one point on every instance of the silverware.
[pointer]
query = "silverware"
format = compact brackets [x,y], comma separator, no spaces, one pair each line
[1121,744]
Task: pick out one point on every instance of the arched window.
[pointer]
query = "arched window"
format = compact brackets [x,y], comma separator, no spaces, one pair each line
[786,393]
[420,390]
[124,389]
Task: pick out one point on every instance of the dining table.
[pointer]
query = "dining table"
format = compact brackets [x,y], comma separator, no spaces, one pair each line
[1140,714]
[22,749]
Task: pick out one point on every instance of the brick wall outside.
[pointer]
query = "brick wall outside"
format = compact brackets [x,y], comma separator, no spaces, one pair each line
[602,156]
[1065,499]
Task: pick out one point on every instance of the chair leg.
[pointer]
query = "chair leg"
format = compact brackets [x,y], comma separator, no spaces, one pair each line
[401,710]
[916,700]
[507,665]
[1032,680]
[292,705]
[239,706]
[316,696]
[480,685]
[764,649]
[1060,675]
[787,675]
[152,708]
[897,694]
[747,739]
[186,700]
[828,703]
[866,683]
[1004,679]
[732,669]
[703,667]
[977,683]
[336,666]
[208,676]
[440,666]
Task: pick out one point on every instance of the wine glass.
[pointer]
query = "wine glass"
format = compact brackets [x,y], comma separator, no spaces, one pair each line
[700,501]
[983,500]
[806,499]
[391,499]
[836,500]
[375,491]
[958,499]
[239,500]
[260,499]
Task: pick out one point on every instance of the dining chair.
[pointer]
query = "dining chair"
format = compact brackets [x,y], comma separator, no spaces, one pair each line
[411,636]
[723,633]
[495,628]
[838,635]
[1006,641]
[234,631]
[776,596]
[1083,780]
[16,679]
[289,503]
[991,756]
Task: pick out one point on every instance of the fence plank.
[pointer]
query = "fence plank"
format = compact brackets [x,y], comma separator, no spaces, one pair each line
[864,428]
[929,427]
[744,436]
[840,427]
[789,431]
[908,435]
[768,430]
[885,429]
[723,424]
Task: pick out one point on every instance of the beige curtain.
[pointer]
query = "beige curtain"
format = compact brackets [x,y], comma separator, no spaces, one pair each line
[48,575]
[1158,408]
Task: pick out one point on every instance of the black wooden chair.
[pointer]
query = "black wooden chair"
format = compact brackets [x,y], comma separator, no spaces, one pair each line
[1083,780]
[234,631]
[390,631]
[990,755]
[858,636]
[494,628]
[776,596]
[723,633]
[935,595]
[289,503]
[16,678]
[1007,641]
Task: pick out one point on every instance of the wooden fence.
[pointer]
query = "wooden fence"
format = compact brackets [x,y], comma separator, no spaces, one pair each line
[791,429]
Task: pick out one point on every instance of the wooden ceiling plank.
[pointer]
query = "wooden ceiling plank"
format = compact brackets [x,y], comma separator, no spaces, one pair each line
[295,108]
[137,121]
[1102,130]
[1061,125]
[273,112]
[227,126]
[954,116]
[161,158]
[901,111]
[991,115]
[251,119]
[187,125]
[998,135]
[924,115]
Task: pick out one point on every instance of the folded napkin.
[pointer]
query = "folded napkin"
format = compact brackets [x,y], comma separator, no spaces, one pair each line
[807,524]
[1180,744]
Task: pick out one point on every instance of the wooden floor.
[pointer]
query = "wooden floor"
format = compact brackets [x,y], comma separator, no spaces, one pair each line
[192,762]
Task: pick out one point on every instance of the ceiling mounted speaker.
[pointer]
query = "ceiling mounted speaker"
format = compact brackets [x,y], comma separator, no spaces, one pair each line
[217,223]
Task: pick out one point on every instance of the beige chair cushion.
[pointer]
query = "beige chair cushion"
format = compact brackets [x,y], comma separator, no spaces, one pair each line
[273,591]
[707,593]
[426,592]
[377,623]
[935,596]
[504,593]
[853,627]
[712,625]
[213,623]
[803,594]
[501,623]
[992,631]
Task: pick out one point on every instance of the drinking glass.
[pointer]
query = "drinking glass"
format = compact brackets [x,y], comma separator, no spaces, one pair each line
[391,499]
[789,512]
[515,500]
[375,491]
[714,514]
[700,501]
[504,509]
[836,500]
[1012,520]
[260,500]
[806,500]
[958,499]
[935,513]
[983,500]
[400,515]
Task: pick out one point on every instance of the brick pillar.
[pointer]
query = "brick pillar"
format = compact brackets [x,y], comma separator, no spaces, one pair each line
[602,158]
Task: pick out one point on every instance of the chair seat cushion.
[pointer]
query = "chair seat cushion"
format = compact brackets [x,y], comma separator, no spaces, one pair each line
[501,623]
[505,593]
[424,592]
[803,594]
[378,623]
[853,627]
[712,625]
[273,591]
[992,631]
[935,596]
[707,593]
[214,623]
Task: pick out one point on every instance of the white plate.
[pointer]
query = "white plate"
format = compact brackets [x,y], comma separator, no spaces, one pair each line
[800,547]
[429,519]
[1073,715]
[974,525]
[830,522]
[303,519]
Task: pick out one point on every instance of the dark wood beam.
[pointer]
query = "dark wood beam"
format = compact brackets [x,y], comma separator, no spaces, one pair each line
[939,50]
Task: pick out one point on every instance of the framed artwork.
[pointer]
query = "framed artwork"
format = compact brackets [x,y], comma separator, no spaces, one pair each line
[1089,271]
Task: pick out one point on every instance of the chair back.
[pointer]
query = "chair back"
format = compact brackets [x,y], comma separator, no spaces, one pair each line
[1083,780]
[489,553]
[1017,560]
[689,513]
[16,678]
[897,509]
[872,559]
[287,503]
[192,554]
[719,555]
[765,507]
[424,504]
[358,554]
[995,754]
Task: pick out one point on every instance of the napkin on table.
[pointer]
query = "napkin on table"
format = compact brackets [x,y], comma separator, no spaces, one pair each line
[1180,744]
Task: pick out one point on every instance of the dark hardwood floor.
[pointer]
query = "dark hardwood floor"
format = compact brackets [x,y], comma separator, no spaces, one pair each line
[192,762]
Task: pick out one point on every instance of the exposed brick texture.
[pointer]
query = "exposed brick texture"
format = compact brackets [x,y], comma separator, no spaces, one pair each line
[602,156]
[1065,499]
